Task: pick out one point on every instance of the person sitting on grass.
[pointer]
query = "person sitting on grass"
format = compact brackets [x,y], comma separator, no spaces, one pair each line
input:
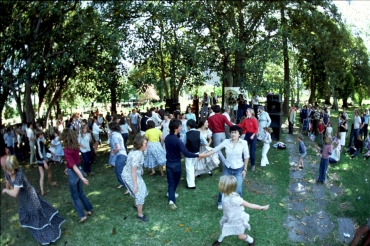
[302,151]
[234,220]
[42,161]
[360,232]
[356,147]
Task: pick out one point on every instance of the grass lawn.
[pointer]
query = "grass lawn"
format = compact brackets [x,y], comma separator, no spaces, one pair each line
[196,221]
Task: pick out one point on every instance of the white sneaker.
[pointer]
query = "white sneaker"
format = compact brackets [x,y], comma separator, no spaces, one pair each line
[219,207]
[176,195]
[172,205]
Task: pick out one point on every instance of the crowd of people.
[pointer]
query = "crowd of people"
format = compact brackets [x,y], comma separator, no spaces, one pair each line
[159,137]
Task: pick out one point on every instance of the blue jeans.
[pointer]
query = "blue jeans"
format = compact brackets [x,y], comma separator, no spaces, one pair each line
[354,135]
[239,114]
[237,173]
[87,164]
[173,171]
[252,147]
[323,169]
[118,168]
[125,137]
[77,193]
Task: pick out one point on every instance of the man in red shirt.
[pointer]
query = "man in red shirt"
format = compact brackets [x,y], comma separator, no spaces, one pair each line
[217,125]
[250,127]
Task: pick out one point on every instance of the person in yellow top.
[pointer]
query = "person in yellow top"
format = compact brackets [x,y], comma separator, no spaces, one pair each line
[155,155]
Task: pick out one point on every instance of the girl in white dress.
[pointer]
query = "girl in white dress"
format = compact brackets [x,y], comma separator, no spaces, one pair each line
[234,220]
[266,146]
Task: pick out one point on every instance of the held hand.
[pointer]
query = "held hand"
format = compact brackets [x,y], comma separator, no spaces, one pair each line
[252,137]
[4,191]
[135,190]
[86,182]
[265,207]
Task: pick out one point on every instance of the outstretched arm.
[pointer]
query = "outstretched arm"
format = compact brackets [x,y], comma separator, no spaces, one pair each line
[254,206]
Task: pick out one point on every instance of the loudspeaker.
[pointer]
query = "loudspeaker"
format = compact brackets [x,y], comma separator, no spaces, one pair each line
[274,98]
[172,100]
[273,107]
[170,108]
[276,121]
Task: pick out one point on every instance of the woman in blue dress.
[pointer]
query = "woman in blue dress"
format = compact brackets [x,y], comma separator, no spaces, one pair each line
[40,217]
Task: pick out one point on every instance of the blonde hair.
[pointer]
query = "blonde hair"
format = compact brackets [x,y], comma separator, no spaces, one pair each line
[227,184]
[335,144]
[69,138]
[11,164]
[251,111]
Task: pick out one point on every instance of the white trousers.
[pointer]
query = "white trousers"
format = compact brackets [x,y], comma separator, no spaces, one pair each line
[190,175]
[342,138]
[264,160]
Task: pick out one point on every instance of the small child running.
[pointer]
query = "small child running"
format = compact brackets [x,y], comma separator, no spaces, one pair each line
[302,151]
[234,220]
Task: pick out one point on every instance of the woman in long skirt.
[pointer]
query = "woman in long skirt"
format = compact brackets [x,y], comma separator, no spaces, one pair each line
[132,175]
[155,155]
[40,217]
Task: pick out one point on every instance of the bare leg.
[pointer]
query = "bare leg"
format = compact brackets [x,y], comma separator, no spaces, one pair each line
[153,172]
[242,236]
[41,171]
[48,170]
[140,210]
[161,170]
[361,231]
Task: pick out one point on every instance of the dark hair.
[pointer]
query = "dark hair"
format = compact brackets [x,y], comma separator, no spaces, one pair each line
[38,133]
[201,122]
[29,124]
[166,113]
[191,123]
[114,127]
[150,124]
[122,121]
[174,124]
[216,108]
[235,128]
[152,109]
[149,114]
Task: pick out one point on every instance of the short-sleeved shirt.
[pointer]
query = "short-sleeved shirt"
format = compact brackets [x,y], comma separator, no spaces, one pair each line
[153,134]
[356,122]
[84,140]
[72,157]
[118,139]
[133,118]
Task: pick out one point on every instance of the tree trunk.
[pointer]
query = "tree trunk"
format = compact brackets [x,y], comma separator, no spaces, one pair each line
[312,98]
[327,99]
[113,96]
[286,62]
[345,102]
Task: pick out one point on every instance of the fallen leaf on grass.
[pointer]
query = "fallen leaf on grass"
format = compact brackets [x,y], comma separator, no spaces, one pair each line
[306,210]
[166,241]
[320,216]
[187,229]
[150,234]
[181,225]
[114,232]
[303,223]
[281,204]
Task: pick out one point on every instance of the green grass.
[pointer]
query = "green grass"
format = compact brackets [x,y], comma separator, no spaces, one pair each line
[196,222]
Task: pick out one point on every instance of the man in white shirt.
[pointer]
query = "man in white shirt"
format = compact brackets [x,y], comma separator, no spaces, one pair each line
[157,120]
[96,130]
[291,117]
[134,121]
[31,140]
[227,128]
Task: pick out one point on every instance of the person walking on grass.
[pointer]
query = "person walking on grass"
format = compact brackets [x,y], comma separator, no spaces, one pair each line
[250,127]
[174,148]
[84,139]
[266,146]
[96,131]
[42,161]
[118,152]
[39,216]
[74,173]
[325,153]
[31,138]
[132,175]
[302,151]
[234,220]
